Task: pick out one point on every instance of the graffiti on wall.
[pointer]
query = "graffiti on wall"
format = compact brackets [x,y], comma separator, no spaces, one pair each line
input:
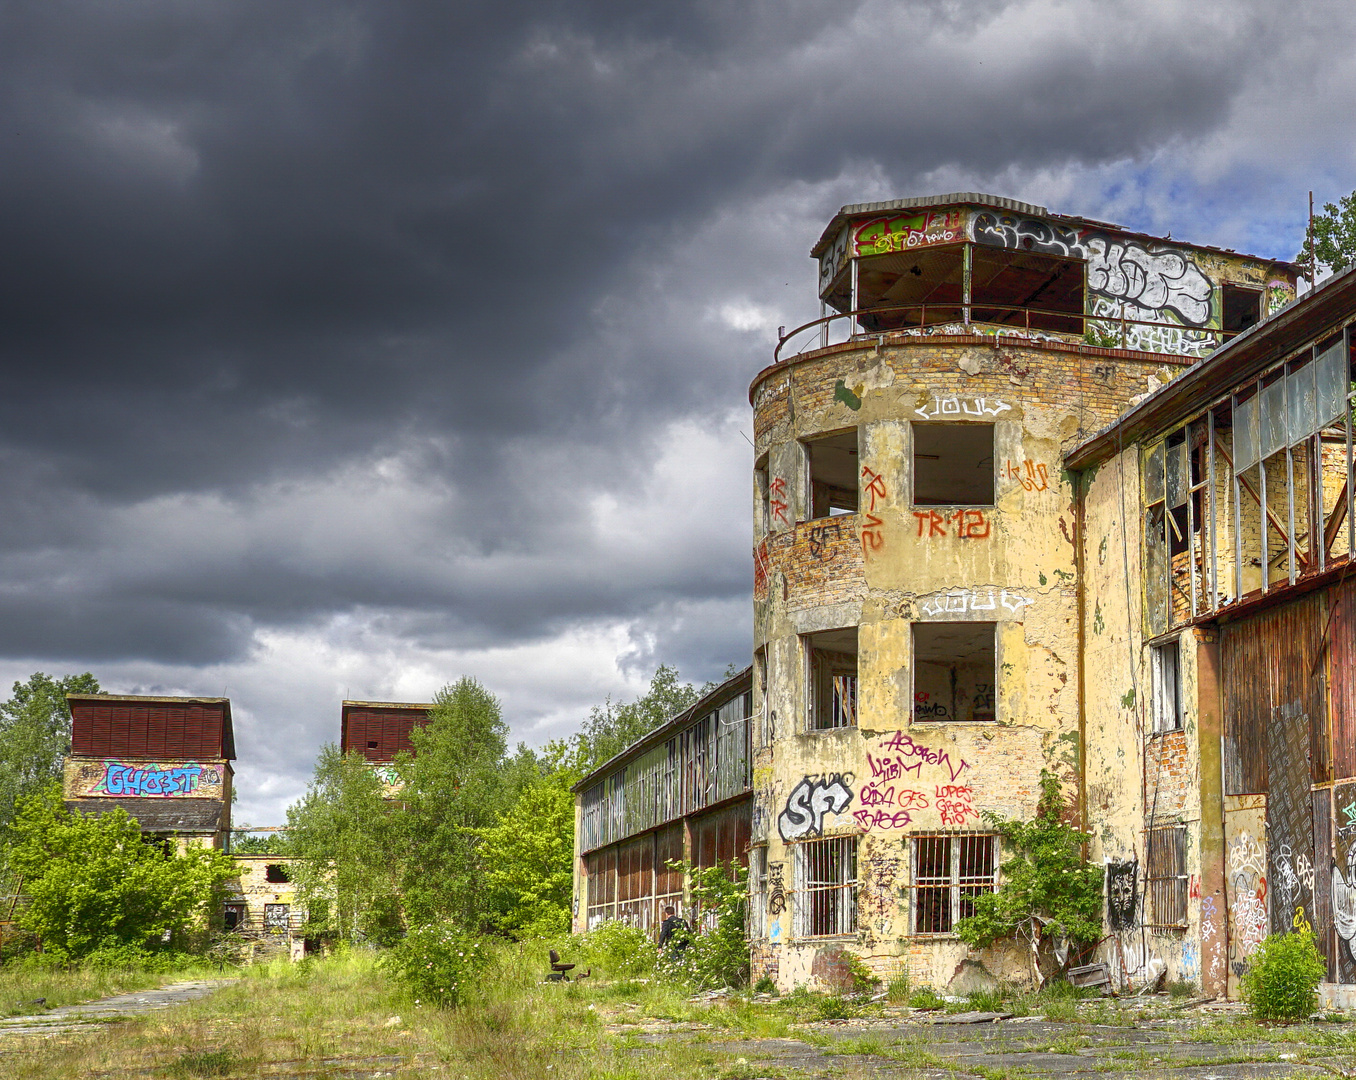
[141,780]
[907,231]
[1344,866]
[947,407]
[1247,886]
[809,801]
[896,789]
[776,499]
[776,896]
[963,524]
[873,489]
[1121,880]
[1126,279]
[1032,475]
[963,601]
[834,259]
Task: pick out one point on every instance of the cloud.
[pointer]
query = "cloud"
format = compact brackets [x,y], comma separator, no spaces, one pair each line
[411,339]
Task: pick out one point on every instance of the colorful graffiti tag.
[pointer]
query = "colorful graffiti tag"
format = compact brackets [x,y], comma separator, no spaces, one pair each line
[147,781]
[884,235]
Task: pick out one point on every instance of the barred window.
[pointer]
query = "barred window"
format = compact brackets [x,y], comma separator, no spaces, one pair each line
[1165,876]
[949,871]
[826,896]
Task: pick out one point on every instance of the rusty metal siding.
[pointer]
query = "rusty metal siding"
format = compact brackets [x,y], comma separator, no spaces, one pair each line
[156,731]
[1342,670]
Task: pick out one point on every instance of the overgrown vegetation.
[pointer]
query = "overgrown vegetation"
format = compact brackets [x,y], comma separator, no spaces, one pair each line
[1334,239]
[717,955]
[95,886]
[1283,977]
[1049,893]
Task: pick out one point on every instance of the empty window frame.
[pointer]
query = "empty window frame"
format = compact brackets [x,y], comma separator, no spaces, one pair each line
[955,668]
[1241,308]
[910,288]
[948,871]
[826,892]
[759,734]
[757,928]
[832,471]
[1165,878]
[234,915]
[277,873]
[953,465]
[831,664]
[763,496]
[1165,662]
[1022,288]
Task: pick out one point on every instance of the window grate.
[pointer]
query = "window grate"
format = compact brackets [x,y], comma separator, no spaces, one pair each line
[949,871]
[827,897]
[1166,876]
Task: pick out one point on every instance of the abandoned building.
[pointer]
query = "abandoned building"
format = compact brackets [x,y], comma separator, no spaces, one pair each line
[682,793]
[164,760]
[379,730]
[927,629]
[1219,616]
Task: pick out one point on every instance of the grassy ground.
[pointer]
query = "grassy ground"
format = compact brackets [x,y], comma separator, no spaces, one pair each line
[21,988]
[341,1017]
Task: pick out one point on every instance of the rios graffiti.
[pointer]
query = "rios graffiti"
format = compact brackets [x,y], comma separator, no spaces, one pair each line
[809,801]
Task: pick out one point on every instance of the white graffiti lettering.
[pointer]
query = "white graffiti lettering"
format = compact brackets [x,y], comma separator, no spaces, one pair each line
[960,601]
[957,408]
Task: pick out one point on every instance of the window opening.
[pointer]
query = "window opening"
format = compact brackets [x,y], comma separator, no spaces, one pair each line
[276,873]
[1166,876]
[827,899]
[949,871]
[833,474]
[1242,308]
[955,667]
[953,465]
[911,288]
[832,657]
[233,916]
[276,918]
[763,493]
[1021,288]
[757,893]
[1167,695]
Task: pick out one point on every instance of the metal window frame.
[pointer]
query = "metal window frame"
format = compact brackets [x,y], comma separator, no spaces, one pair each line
[826,870]
[1157,667]
[954,882]
[1166,887]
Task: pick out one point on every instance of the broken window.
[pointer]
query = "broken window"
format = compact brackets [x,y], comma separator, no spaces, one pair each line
[911,288]
[234,915]
[757,908]
[759,734]
[826,897]
[949,871]
[832,664]
[953,465]
[955,667]
[276,918]
[1166,875]
[832,469]
[276,873]
[1242,308]
[1021,288]
[1167,694]
[763,494]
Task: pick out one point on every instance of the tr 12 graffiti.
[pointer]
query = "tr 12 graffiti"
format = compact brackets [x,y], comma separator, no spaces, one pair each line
[809,801]
[140,782]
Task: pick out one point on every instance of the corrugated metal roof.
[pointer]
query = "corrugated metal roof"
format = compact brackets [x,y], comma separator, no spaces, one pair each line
[160,815]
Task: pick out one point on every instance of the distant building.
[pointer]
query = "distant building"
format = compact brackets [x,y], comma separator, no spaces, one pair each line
[379,730]
[165,760]
[682,793]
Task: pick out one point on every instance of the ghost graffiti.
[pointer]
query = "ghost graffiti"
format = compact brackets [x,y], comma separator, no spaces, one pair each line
[809,801]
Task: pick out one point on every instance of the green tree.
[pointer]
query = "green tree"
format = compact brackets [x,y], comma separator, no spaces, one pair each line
[528,855]
[35,733]
[349,842]
[612,727]
[94,882]
[1049,893]
[455,785]
[1334,239]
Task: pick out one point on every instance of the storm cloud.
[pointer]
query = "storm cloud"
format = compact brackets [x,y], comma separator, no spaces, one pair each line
[350,347]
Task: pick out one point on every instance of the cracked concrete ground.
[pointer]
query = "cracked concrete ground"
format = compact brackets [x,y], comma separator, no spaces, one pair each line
[69,1018]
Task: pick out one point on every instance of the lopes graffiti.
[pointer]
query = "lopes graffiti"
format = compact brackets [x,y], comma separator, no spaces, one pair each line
[139,780]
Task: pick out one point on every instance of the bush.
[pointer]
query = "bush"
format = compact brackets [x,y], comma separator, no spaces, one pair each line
[718,955]
[864,980]
[765,985]
[1282,977]
[621,951]
[439,965]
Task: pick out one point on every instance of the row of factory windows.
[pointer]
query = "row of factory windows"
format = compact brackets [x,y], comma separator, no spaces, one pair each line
[955,667]
[953,465]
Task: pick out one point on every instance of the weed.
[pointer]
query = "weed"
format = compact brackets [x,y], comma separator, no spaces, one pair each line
[1282,977]
[834,1007]
[897,989]
[204,1063]
[925,997]
[765,985]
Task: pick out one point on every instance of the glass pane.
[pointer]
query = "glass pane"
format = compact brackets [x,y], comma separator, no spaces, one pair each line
[1178,474]
[1153,474]
[1300,403]
[1332,384]
[1273,418]
[1245,434]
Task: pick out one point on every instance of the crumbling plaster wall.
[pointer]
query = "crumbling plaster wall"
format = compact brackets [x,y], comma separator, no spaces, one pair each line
[889,566]
[1135,777]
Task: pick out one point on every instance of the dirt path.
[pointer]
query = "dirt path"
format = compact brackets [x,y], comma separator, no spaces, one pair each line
[68,1018]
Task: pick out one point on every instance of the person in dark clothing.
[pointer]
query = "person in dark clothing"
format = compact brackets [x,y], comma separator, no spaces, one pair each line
[673,933]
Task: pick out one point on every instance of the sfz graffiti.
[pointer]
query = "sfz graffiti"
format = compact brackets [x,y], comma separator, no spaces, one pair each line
[809,801]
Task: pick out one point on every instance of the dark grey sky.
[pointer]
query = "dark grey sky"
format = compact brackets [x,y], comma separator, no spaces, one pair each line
[351,347]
